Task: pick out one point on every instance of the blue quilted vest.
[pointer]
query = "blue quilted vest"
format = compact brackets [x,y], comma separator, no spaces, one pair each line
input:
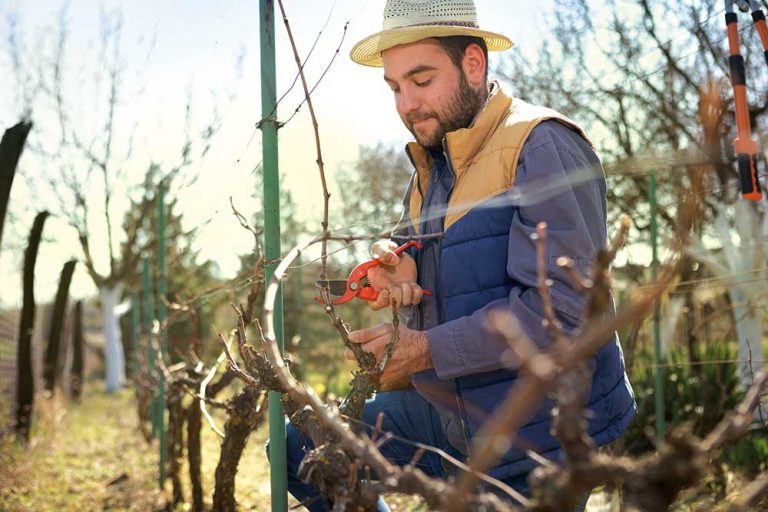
[471,268]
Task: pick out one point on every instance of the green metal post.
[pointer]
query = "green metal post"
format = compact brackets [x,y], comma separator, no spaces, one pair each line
[162,315]
[149,318]
[135,335]
[657,355]
[272,251]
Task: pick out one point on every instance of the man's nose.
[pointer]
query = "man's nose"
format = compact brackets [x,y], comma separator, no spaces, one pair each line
[409,102]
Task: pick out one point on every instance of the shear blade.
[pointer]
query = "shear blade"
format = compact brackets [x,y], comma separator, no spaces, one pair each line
[337,287]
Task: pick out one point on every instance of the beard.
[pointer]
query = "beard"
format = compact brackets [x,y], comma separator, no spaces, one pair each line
[458,112]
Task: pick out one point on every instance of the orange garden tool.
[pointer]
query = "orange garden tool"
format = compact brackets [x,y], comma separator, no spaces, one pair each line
[357,284]
[744,145]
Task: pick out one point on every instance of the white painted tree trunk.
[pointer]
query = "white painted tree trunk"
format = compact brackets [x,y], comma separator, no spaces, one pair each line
[748,292]
[748,318]
[741,264]
[113,345]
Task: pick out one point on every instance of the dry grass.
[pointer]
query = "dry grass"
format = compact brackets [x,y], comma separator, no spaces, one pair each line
[253,483]
[81,457]
[91,456]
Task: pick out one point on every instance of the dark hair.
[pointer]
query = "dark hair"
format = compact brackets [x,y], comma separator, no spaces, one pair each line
[456,46]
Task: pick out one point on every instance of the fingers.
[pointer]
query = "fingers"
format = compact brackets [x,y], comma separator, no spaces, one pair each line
[382,301]
[417,293]
[371,333]
[403,294]
[375,347]
[389,258]
[400,294]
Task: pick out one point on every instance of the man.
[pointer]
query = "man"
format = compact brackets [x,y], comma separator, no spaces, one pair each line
[478,154]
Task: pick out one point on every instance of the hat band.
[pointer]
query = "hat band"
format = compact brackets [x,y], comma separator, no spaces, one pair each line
[467,24]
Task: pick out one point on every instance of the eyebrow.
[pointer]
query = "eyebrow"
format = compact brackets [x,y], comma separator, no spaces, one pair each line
[415,71]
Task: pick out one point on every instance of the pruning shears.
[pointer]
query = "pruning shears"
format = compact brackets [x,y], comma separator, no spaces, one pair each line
[357,285]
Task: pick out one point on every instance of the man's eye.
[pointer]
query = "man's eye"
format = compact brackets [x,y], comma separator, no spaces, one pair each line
[423,83]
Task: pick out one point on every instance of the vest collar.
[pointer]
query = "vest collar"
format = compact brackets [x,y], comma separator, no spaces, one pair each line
[463,144]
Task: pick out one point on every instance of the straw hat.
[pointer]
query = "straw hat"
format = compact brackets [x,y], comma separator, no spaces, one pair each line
[407,21]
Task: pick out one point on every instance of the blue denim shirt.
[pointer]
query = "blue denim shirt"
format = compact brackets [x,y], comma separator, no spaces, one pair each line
[553,154]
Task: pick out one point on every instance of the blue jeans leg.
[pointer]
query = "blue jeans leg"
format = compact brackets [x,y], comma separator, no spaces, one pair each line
[405,414]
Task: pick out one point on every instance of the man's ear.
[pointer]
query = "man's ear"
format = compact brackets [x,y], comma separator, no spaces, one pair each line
[474,64]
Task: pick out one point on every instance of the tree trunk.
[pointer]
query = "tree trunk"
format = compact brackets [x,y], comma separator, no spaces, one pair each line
[126,340]
[244,417]
[76,384]
[235,438]
[194,454]
[25,385]
[748,317]
[11,147]
[691,332]
[175,440]
[743,265]
[51,361]
[113,345]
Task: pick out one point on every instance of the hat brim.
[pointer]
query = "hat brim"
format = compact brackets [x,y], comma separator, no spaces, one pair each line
[368,51]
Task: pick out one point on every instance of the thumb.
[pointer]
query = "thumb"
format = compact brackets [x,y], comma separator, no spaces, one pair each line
[384,251]
[388,258]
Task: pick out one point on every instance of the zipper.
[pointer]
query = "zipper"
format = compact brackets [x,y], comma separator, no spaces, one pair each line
[441,305]
[418,258]
[420,307]
[438,298]
[415,173]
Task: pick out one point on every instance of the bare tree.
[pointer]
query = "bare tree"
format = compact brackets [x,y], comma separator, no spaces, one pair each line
[76,383]
[345,452]
[642,105]
[371,188]
[11,147]
[25,383]
[87,156]
[653,483]
[51,362]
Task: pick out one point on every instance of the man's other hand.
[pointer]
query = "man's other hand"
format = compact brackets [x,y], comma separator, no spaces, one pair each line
[395,278]
[411,353]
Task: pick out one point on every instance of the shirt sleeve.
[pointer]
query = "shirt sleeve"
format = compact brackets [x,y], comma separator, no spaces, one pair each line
[559,181]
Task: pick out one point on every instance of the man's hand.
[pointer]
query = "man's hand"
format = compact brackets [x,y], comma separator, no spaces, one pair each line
[411,353]
[395,278]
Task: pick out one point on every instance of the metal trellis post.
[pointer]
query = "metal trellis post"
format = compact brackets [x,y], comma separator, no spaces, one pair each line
[162,315]
[135,335]
[149,318]
[657,355]
[272,251]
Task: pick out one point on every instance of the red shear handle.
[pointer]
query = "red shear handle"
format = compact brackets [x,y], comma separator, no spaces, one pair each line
[408,245]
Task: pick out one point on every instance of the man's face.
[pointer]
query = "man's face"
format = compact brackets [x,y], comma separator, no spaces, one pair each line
[432,96]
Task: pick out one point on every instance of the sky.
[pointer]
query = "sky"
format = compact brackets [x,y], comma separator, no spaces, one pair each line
[209,51]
